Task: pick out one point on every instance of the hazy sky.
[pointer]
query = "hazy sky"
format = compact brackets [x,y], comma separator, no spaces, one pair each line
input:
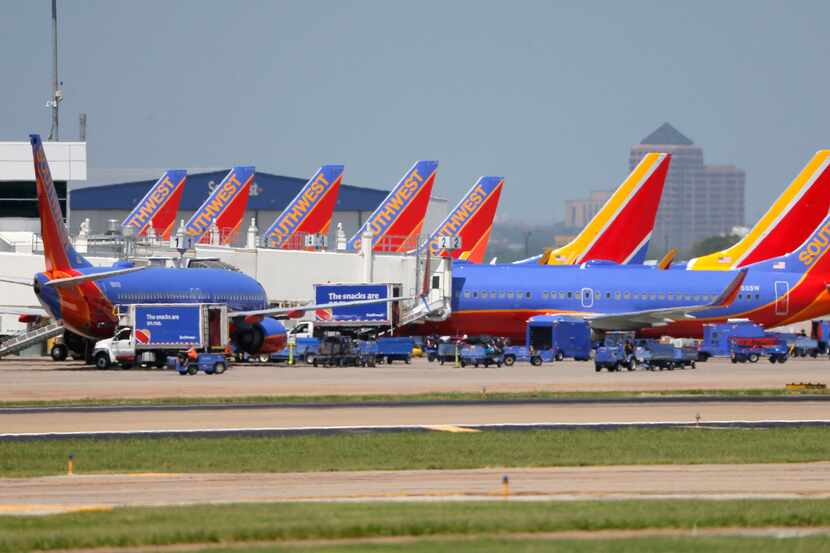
[550,95]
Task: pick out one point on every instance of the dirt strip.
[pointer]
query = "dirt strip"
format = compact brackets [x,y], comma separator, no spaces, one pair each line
[102,491]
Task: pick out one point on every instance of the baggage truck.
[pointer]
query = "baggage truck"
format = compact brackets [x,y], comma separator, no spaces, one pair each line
[394,348]
[148,333]
[743,349]
[561,337]
[717,337]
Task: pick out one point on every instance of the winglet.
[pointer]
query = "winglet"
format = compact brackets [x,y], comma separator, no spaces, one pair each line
[731,291]
[666,260]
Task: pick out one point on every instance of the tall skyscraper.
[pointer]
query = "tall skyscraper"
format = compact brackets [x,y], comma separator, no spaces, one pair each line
[698,200]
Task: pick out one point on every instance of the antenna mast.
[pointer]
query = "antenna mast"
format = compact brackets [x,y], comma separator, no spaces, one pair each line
[57,93]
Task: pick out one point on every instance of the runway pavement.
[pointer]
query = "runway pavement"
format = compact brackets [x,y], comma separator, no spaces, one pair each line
[43,379]
[57,493]
[172,420]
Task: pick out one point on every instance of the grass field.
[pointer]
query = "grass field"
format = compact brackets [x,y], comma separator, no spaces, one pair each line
[482,522]
[431,396]
[417,450]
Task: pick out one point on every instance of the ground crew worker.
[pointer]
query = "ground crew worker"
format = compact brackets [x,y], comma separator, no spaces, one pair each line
[192,354]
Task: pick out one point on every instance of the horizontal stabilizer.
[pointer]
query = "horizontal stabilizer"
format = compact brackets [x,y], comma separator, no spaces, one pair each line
[23,310]
[74,280]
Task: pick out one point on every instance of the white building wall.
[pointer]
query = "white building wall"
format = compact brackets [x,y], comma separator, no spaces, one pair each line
[289,275]
[67,161]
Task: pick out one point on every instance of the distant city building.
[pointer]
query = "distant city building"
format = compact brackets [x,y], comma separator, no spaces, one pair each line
[579,212]
[698,200]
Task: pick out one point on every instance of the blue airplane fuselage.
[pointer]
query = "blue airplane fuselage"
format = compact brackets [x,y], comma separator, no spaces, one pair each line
[499,299]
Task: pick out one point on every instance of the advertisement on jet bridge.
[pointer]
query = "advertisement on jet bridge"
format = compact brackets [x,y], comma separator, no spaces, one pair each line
[168,325]
[377,313]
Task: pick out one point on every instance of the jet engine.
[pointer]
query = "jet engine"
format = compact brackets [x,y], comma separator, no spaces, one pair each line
[264,336]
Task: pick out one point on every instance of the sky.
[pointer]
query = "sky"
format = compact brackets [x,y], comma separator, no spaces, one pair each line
[550,95]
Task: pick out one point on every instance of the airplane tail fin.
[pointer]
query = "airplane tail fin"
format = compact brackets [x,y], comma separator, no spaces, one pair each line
[225,206]
[810,257]
[309,212]
[471,220]
[399,219]
[790,219]
[621,230]
[159,206]
[58,251]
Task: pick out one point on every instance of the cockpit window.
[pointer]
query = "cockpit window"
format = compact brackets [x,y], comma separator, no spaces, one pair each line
[211,264]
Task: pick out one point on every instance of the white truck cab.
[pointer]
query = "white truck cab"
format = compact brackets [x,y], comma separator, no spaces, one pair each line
[303,329]
[120,349]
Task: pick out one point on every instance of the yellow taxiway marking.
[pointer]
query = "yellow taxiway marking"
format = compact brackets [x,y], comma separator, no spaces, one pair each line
[45,508]
[450,428]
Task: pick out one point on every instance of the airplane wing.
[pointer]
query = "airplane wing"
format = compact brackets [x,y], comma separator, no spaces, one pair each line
[294,312]
[72,281]
[23,310]
[634,320]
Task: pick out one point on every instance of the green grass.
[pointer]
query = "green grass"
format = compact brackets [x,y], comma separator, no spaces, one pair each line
[417,450]
[817,544]
[429,396]
[237,523]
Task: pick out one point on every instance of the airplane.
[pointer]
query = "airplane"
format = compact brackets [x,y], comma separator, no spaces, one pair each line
[471,221]
[225,206]
[309,212]
[499,299]
[157,209]
[397,221]
[621,230]
[85,298]
[790,219]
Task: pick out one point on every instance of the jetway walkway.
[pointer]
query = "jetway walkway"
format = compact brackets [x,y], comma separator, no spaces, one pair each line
[32,337]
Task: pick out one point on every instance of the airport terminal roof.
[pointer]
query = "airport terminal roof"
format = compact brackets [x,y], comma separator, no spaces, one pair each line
[269,192]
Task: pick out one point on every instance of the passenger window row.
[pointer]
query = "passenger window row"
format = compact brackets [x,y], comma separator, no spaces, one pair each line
[616,295]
